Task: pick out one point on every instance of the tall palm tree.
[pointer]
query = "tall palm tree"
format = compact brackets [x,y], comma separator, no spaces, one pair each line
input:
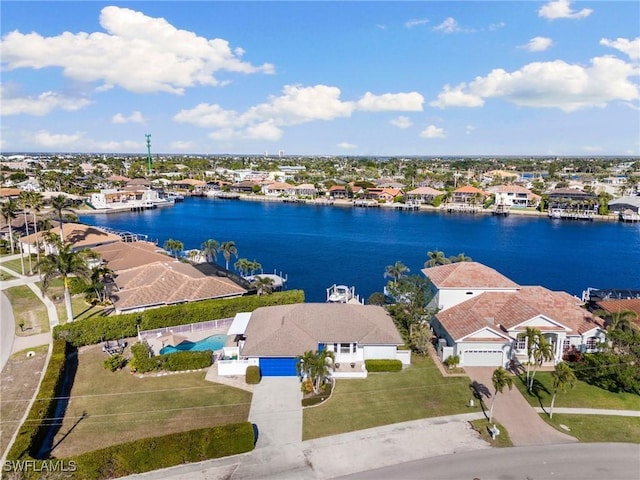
[563,377]
[436,257]
[36,199]
[65,264]
[98,277]
[618,320]
[461,257]
[542,353]
[531,335]
[316,366]
[228,249]
[25,202]
[254,266]
[60,203]
[500,379]
[263,284]
[174,246]
[9,210]
[396,271]
[242,266]
[210,249]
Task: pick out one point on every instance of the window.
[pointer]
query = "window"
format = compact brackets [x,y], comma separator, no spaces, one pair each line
[342,348]
[521,343]
[566,344]
[591,343]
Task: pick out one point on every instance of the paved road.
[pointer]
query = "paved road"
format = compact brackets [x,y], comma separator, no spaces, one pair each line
[585,461]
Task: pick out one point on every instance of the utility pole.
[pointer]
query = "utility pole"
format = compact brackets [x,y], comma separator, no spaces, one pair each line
[148,135]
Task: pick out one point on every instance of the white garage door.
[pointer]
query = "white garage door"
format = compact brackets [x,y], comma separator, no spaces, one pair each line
[482,358]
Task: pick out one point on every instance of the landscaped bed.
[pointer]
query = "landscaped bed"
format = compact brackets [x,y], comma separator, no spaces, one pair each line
[418,391]
[120,407]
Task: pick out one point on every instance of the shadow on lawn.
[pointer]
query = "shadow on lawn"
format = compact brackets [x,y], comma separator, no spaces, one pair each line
[479,392]
[536,390]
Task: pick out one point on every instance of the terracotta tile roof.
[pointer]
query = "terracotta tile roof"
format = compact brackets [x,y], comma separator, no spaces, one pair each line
[613,306]
[290,330]
[78,235]
[469,189]
[425,191]
[507,310]
[9,192]
[126,255]
[165,283]
[467,275]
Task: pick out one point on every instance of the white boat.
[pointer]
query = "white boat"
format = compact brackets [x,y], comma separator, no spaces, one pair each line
[342,294]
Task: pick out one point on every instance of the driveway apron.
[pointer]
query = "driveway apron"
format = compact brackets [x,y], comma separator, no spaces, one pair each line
[524,425]
[276,410]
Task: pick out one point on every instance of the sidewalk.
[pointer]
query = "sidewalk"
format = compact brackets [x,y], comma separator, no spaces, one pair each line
[524,425]
[591,411]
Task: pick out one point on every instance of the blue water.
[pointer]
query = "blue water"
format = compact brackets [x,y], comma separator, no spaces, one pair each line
[317,246]
[215,342]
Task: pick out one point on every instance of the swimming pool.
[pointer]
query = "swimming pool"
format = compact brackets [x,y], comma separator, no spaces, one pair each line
[214,342]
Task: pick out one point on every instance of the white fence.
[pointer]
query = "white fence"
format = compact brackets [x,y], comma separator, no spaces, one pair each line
[189,328]
[234,367]
[404,356]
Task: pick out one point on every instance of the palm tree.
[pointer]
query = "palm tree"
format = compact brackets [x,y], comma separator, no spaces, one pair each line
[24,201]
[531,335]
[228,249]
[65,263]
[500,379]
[59,204]
[242,266]
[210,249]
[9,210]
[618,320]
[563,376]
[436,257]
[36,201]
[263,284]
[98,276]
[254,266]
[542,353]
[316,366]
[396,271]
[461,258]
[174,246]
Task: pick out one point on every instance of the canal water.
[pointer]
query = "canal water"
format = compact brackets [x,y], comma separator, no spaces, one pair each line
[317,246]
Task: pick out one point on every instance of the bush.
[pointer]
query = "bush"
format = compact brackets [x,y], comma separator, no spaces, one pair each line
[186,360]
[252,375]
[114,362]
[383,365]
[141,361]
[452,361]
[166,451]
[98,329]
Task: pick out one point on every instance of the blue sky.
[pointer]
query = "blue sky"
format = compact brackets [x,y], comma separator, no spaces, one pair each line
[327,78]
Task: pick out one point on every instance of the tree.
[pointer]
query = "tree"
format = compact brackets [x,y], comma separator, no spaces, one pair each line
[411,295]
[563,376]
[24,203]
[243,266]
[228,249]
[436,257]
[65,264]
[99,275]
[396,271]
[210,249]
[173,246]
[254,266]
[60,203]
[531,336]
[36,201]
[9,210]
[500,379]
[461,257]
[316,366]
[263,284]
[618,320]
[542,353]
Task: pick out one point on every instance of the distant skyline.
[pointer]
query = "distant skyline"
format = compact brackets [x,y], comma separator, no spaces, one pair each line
[418,78]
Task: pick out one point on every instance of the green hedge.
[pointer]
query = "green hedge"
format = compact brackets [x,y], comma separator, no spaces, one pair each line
[166,451]
[383,365]
[252,375]
[97,329]
[173,362]
[33,430]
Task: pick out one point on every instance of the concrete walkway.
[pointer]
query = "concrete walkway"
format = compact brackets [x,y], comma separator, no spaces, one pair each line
[591,411]
[524,425]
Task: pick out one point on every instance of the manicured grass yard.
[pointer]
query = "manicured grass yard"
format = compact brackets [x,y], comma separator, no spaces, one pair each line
[121,407]
[81,309]
[416,392]
[594,428]
[582,395]
[28,308]
[16,265]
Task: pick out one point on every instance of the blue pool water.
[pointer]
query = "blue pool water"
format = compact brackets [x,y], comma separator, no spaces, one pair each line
[214,342]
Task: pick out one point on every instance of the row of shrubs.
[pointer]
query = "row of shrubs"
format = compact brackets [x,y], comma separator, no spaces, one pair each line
[34,429]
[97,329]
[173,362]
[161,452]
[383,365]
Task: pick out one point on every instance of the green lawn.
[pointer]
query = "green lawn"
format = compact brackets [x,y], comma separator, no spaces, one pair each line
[593,428]
[502,440]
[119,407]
[27,307]
[81,309]
[418,391]
[5,276]
[582,395]
[16,266]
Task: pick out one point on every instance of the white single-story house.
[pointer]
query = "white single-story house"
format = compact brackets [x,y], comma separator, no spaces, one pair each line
[272,337]
[485,325]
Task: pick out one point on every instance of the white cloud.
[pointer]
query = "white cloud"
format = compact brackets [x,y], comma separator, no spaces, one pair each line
[55,141]
[497,26]
[449,25]
[138,53]
[631,48]
[407,102]
[433,132]
[401,122]
[181,145]
[538,44]
[556,84]
[416,22]
[135,117]
[469,129]
[296,105]
[562,9]
[347,145]
[38,106]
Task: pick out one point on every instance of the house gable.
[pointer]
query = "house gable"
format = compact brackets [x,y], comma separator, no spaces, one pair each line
[485,334]
[542,323]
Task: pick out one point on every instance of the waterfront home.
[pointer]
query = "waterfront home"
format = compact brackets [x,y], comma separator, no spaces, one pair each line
[272,337]
[126,255]
[306,190]
[277,189]
[189,185]
[468,195]
[424,195]
[386,195]
[78,235]
[483,316]
[128,198]
[626,207]
[514,196]
[338,192]
[615,306]
[245,186]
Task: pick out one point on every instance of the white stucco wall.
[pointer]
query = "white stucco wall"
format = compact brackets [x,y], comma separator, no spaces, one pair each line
[447,298]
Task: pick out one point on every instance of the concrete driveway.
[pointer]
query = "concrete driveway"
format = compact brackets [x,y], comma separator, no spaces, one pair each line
[524,425]
[276,409]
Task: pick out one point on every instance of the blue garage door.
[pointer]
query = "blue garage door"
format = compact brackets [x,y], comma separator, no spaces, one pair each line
[278,367]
